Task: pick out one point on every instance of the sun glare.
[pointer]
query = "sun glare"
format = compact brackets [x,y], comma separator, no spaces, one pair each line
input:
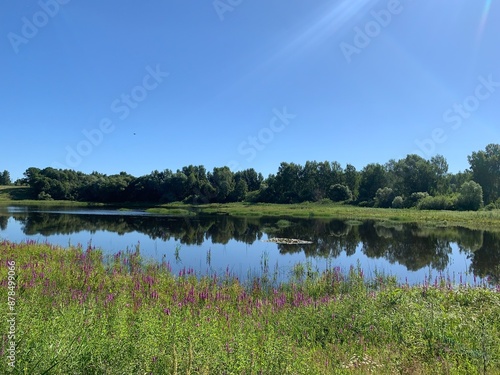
[327,24]
[484,19]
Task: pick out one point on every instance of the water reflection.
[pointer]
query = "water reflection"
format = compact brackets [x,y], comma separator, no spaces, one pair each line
[411,245]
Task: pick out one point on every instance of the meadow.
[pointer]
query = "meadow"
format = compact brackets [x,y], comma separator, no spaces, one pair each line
[469,219]
[78,312]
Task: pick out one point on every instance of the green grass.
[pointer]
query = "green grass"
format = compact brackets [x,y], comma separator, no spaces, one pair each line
[170,211]
[78,313]
[470,219]
[22,196]
[15,193]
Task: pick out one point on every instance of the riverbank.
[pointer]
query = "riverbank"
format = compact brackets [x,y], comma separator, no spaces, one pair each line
[470,219]
[77,312]
[16,196]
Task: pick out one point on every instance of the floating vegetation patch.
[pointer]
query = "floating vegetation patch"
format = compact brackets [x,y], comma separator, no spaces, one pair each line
[288,241]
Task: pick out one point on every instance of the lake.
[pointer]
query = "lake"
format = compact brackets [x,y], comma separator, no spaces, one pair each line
[221,243]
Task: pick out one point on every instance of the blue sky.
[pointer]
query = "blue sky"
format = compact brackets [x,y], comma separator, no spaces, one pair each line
[135,86]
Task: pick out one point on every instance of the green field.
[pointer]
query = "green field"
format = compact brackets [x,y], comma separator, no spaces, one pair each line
[311,210]
[77,313]
[21,196]
[14,193]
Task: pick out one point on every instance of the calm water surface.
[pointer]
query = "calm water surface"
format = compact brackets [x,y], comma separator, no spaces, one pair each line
[217,243]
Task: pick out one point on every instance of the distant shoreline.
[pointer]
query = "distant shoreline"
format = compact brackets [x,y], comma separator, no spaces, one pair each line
[440,218]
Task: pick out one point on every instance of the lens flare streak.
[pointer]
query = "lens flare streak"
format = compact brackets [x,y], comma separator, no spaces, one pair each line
[484,19]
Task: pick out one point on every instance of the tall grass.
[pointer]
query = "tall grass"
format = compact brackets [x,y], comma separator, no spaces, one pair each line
[469,219]
[80,313]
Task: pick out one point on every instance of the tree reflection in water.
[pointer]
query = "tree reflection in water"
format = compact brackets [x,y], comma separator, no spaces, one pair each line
[414,246]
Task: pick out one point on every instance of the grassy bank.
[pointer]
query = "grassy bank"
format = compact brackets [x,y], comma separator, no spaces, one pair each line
[22,196]
[470,219]
[78,313]
[349,212]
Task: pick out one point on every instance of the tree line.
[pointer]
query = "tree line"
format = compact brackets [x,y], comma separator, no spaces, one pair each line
[5,178]
[409,182]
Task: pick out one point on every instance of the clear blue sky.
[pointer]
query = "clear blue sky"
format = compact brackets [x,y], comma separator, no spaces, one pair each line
[164,84]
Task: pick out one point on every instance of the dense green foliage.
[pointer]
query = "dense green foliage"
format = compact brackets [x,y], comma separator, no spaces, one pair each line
[78,313]
[5,178]
[414,181]
[485,167]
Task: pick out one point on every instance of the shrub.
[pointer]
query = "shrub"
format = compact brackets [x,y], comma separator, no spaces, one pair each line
[339,193]
[397,202]
[365,204]
[253,196]
[384,197]
[490,207]
[325,201]
[470,197]
[43,196]
[415,198]
[439,202]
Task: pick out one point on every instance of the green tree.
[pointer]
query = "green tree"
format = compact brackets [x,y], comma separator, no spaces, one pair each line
[398,202]
[373,177]
[286,184]
[31,174]
[384,197]
[471,196]
[337,173]
[240,191]
[309,186]
[440,168]
[149,188]
[485,167]
[222,180]
[251,177]
[339,193]
[414,174]
[5,178]
[393,179]
[456,180]
[268,192]
[415,198]
[176,187]
[351,178]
